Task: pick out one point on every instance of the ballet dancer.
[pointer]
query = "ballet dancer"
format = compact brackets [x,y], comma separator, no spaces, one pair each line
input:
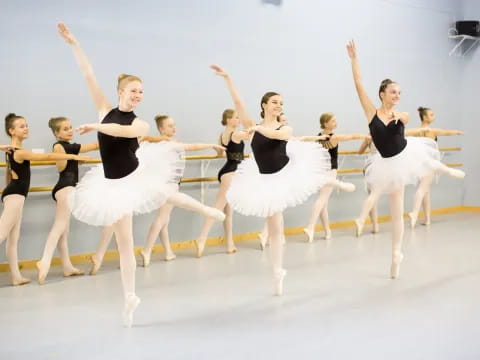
[328,123]
[68,177]
[280,174]
[422,195]
[131,179]
[398,161]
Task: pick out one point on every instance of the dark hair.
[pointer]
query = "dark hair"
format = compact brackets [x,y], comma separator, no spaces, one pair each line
[227,114]
[54,123]
[265,99]
[159,119]
[383,86]
[9,121]
[422,111]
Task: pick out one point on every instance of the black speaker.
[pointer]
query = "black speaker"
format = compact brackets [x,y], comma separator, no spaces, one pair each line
[471,28]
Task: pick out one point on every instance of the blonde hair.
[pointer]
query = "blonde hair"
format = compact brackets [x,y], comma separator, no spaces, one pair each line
[159,119]
[124,79]
[54,123]
[325,118]
[227,114]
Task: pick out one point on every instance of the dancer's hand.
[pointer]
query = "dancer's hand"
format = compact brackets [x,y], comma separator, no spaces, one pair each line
[219,71]
[252,129]
[83,129]
[6,148]
[352,50]
[217,147]
[65,33]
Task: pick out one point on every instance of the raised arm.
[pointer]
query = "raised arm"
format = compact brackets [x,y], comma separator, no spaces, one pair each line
[136,129]
[367,105]
[101,102]
[21,155]
[443,132]
[313,138]
[284,133]
[340,137]
[198,147]
[89,147]
[246,120]
[154,139]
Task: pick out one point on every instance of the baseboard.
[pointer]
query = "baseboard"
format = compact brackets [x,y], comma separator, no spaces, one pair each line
[189,244]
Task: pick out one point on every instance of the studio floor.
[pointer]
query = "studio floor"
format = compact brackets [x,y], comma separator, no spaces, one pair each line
[338,303]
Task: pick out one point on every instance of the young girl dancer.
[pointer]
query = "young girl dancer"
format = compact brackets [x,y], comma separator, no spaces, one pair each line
[328,123]
[167,129]
[422,195]
[368,144]
[277,176]
[398,161]
[129,181]
[233,141]
[18,183]
[68,178]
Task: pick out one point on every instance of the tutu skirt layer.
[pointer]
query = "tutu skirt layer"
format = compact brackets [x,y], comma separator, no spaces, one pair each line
[419,158]
[99,201]
[254,194]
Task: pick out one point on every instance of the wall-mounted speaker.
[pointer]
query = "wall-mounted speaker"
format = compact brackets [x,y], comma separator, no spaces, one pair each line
[471,28]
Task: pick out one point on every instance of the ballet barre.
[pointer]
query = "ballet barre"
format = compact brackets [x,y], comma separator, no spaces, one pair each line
[208,157]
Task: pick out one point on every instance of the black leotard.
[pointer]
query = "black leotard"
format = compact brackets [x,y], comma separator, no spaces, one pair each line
[388,139]
[69,175]
[235,156]
[332,150]
[118,153]
[270,154]
[21,185]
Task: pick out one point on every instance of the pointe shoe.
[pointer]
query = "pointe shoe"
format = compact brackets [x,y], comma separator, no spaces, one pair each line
[170,256]
[42,273]
[95,266]
[309,233]
[73,272]
[375,228]
[263,241]
[278,277]
[456,173]
[347,187]
[20,281]
[395,267]
[200,248]
[328,234]
[358,228]
[413,219]
[426,222]
[145,257]
[131,303]
[214,213]
[232,250]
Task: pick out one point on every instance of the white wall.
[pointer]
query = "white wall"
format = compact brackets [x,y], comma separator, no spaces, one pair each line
[297,49]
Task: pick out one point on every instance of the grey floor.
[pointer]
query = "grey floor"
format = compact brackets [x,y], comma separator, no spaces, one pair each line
[338,304]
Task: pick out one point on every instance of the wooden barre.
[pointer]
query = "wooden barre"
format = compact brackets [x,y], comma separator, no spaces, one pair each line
[211,179]
[205,157]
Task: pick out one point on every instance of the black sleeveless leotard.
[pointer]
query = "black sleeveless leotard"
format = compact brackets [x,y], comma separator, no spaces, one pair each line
[332,150]
[235,156]
[388,139]
[270,154]
[21,185]
[118,153]
[69,175]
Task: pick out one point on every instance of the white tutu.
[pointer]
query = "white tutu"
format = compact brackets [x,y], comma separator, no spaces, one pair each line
[99,201]
[253,193]
[419,158]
